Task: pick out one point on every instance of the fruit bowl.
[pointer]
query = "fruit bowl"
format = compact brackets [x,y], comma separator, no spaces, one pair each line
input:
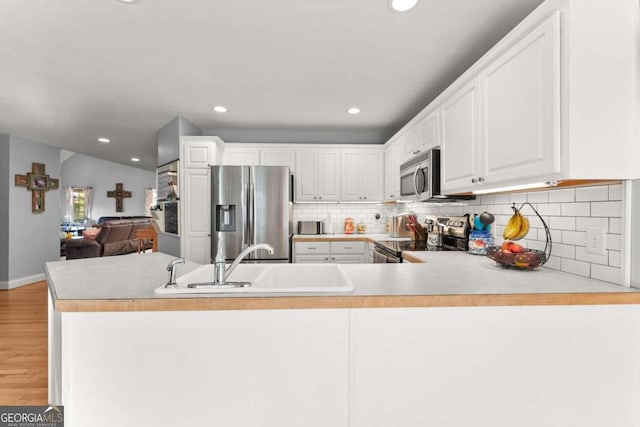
[530,258]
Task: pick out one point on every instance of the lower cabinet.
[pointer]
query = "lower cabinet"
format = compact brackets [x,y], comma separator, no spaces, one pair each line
[340,252]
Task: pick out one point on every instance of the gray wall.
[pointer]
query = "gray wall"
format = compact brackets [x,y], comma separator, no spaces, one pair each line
[302,136]
[81,170]
[169,139]
[33,237]
[5,182]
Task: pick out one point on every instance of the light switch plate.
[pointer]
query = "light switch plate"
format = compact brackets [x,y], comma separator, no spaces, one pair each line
[596,241]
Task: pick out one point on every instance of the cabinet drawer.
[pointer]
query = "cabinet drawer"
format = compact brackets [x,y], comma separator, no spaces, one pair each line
[347,248]
[311,248]
[312,259]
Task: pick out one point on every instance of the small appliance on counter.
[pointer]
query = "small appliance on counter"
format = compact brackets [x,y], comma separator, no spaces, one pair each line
[453,234]
[398,225]
[311,227]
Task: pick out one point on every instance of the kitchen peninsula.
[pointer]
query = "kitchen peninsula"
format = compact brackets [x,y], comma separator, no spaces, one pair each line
[412,344]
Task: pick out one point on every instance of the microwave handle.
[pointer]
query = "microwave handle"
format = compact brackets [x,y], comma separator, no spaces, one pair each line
[415,181]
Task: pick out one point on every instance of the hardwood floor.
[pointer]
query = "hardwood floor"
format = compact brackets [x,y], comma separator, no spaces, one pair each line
[23,345]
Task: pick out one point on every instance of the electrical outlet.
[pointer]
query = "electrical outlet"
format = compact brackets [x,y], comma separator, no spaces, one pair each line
[596,241]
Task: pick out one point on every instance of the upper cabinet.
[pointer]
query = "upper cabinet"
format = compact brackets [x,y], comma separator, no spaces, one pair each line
[275,156]
[392,159]
[544,104]
[241,156]
[421,135]
[362,178]
[504,125]
[317,175]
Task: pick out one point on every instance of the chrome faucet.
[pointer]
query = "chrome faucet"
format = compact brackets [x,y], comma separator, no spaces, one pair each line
[171,268]
[222,273]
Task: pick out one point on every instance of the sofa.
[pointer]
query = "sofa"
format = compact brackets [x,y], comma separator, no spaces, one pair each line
[114,237]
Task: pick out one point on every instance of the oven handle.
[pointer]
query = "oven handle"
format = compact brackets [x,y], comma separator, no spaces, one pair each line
[415,181]
[388,259]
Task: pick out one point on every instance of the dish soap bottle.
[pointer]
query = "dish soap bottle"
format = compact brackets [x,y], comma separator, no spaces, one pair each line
[328,224]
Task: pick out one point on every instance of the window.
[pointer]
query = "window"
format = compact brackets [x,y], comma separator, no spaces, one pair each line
[79,205]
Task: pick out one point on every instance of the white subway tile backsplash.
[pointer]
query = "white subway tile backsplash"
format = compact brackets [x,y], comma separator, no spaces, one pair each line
[553,262]
[562,223]
[565,195]
[606,273]
[615,259]
[591,194]
[607,209]
[487,199]
[549,209]
[501,199]
[583,255]
[582,223]
[615,225]
[614,242]
[538,197]
[575,267]
[576,238]
[563,251]
[576,209]
[615,192]
[518,198]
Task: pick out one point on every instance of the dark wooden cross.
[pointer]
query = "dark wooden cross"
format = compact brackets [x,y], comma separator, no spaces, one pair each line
[119,194]
[38,182]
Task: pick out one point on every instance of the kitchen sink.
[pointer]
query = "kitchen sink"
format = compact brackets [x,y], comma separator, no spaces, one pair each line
[267,278]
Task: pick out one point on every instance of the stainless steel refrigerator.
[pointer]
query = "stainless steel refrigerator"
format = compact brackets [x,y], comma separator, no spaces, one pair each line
[250,205]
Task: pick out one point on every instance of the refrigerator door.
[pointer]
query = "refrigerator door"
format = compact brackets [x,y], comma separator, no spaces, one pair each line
[229,210]
[270,211]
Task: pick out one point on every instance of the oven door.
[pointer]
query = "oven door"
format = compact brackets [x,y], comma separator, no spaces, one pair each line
[414,183]
[381,257]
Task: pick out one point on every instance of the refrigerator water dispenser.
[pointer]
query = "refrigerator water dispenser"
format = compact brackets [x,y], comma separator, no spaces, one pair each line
[225,217]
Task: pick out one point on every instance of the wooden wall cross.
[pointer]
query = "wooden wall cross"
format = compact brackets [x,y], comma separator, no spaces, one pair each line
[38,182]
[119,194]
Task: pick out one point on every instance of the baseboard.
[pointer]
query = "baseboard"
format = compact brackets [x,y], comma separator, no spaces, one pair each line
[15,283]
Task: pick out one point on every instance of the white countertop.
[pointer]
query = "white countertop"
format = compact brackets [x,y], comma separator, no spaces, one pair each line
[135,276]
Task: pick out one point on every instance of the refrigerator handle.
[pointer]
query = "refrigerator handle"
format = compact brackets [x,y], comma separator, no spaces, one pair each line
[252,209]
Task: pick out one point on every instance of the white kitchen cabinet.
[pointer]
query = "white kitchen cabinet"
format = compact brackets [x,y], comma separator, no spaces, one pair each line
[278,157]
[196,229]
[362,177]
[460,138]
[241,156]
[340,252]
[392,160]
[410,142]
[507,121]
[428,132]
[317,175]
[199,153]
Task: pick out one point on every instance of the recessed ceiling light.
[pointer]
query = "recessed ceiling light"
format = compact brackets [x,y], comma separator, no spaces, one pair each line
[353,110]
[220,109]
[129,1]
[135,159]
[402,5]
[104,140]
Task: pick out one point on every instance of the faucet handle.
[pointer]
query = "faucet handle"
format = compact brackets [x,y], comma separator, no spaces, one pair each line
[171,268]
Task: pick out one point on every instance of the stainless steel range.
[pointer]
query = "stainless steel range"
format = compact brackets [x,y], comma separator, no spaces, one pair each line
[454,232]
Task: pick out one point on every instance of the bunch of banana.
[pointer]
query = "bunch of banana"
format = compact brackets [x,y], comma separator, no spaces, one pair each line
[517,227]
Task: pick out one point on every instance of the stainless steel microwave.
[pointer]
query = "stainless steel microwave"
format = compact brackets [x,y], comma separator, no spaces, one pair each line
[420,176]
[420,179]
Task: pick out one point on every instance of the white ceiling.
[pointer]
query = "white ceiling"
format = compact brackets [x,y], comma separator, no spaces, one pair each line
[75,70]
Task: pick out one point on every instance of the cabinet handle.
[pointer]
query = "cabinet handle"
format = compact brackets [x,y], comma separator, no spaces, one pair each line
[473,180]
[320,197]
[326,259]
[348,247]
[480,179]
[365,197]
[360,197]
[311,248]
[314,197]
[333,258]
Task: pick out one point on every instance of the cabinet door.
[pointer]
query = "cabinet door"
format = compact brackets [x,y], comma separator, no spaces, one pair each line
[410,143]
[428,135]
[392,160]
[305,179]
[278,157]
[198,154]
[352,174]
[372,175]
[347,259]
[521,97]
[196,223]
[328,175]
[460,139]
[241,156]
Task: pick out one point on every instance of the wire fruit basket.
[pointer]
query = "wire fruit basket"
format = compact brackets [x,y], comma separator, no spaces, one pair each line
[528,258]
